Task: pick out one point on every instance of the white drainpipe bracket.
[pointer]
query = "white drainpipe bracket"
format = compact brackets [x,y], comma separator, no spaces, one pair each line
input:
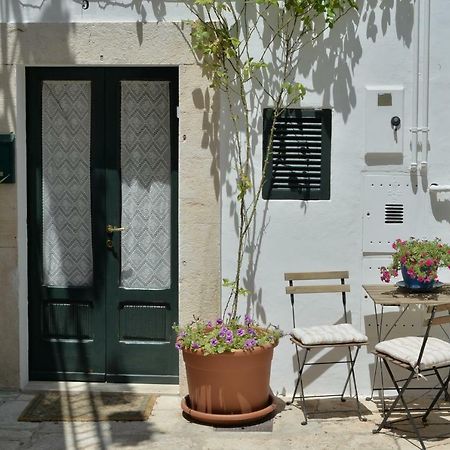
[434,187]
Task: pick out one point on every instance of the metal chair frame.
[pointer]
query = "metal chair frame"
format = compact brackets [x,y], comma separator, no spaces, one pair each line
[317,289]
[415,371]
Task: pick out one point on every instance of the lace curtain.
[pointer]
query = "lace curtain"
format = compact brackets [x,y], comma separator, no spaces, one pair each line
[66,193]
[146,191]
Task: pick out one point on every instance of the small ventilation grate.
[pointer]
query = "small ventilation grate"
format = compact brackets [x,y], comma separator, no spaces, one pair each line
[393,213]
[299,163]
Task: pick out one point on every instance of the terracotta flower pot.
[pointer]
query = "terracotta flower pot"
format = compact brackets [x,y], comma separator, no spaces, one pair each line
[234,383]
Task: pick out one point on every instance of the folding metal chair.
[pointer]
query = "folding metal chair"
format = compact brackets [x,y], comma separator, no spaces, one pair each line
[323,336]
[418,355]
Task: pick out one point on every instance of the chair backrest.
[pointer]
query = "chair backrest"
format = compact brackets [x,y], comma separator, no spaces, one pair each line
[440,319]
[320,288]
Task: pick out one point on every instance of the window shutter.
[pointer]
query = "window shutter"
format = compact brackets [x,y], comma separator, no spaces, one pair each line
[299,165]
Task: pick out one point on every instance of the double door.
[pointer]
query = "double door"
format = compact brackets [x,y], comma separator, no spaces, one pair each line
[102,223]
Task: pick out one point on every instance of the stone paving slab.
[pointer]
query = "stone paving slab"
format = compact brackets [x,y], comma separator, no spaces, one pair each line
[167,429]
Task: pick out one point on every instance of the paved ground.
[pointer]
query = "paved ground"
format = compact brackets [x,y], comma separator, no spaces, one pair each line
[167,429]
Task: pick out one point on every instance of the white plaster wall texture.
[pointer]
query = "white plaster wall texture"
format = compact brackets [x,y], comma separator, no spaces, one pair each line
[372,48]
[57,11]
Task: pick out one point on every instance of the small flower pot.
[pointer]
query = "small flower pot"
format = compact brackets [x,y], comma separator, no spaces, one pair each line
[229,388]
[414,284]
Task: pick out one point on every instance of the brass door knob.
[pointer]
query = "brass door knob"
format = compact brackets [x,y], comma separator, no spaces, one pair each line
[112,229]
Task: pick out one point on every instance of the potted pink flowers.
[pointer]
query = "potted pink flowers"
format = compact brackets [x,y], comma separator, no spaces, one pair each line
[419,261]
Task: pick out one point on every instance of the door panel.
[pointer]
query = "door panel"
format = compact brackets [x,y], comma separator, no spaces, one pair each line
[66,308]
[102,149]
[142,290]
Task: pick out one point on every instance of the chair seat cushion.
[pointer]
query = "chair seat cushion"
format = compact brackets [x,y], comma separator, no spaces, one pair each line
[328,335]
[407,349]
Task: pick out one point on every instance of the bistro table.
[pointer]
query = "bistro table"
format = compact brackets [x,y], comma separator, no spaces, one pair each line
[391,295]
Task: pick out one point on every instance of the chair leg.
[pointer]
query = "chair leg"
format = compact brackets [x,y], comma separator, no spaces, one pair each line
[305,411]
[358,404]
[350,371]
[374,378]
[300,368]
[444,386]
[352,362]
[386,414]
[400,392]
[300,383]
[438,376]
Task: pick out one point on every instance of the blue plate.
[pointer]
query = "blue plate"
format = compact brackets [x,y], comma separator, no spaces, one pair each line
[436,285]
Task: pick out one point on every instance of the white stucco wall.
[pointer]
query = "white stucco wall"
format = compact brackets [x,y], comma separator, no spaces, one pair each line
[58,11]
[371,48]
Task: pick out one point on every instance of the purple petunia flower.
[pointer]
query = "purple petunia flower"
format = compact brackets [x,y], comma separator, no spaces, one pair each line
[219,321]
[229,337]
[249,343]
[213,342]
[178,345]
[251,332]
[240,332]
[248,320]
[223,332]
[195,346]
[209,324]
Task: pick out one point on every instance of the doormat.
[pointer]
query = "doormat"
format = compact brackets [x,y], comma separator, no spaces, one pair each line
[88,407]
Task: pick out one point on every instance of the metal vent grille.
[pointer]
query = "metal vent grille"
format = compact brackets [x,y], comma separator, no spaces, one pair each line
[299,166]
[393,213]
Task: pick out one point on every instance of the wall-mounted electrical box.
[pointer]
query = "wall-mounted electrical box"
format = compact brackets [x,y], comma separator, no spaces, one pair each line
[384,119]
[390,211]
[7,158]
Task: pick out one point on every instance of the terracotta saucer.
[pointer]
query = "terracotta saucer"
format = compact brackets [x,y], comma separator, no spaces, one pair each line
[228,419]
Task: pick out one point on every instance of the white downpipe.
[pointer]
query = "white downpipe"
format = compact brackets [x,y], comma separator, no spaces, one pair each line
[425,82]
[415,87]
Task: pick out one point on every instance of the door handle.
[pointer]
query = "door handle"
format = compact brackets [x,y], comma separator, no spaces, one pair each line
[112,229]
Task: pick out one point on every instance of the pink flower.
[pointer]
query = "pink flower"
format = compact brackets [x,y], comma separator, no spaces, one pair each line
[429,262]
[411,272]
[403,260]
[420,279]
[385,275]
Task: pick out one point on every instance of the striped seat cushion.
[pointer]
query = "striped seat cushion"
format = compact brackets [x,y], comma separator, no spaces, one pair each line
[406,349]
[328,335]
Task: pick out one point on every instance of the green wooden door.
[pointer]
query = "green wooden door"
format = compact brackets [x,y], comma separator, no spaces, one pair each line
[102,223]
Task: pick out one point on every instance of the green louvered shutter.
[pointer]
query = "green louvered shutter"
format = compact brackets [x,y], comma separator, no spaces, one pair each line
[299,166]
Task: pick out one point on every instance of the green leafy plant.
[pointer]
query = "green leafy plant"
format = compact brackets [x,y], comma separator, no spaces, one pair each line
[250,51]
[420,258]
[226,36]
[219,337]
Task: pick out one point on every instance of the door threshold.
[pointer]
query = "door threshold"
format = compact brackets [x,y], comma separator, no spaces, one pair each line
[81,386]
